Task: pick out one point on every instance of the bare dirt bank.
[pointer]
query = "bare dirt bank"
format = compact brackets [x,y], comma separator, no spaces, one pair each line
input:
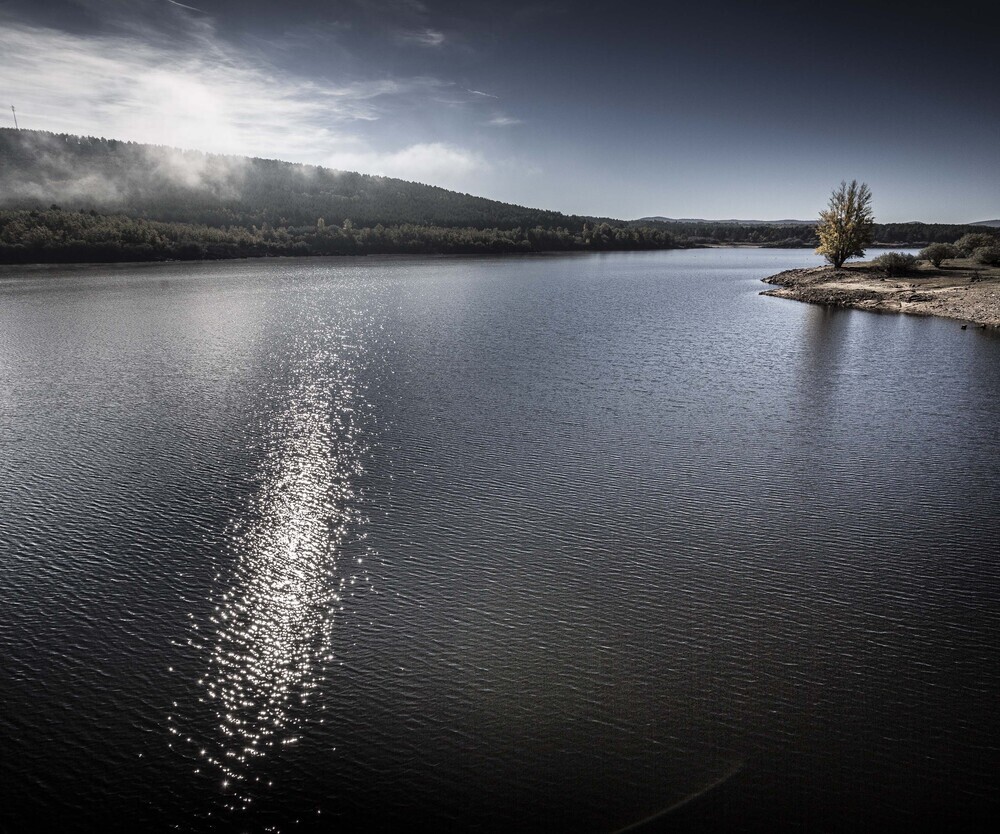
[959,290]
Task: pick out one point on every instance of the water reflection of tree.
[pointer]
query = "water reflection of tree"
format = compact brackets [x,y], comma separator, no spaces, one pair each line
[825,336]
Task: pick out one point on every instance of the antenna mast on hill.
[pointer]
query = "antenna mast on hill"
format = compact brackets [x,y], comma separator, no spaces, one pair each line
[12,110]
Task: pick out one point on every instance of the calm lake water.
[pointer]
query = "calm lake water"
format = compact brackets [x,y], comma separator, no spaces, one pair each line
[554,542]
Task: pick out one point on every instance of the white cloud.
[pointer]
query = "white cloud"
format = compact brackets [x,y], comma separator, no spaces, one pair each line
[423,37]
[187,88]
[190,8]
[504,121]
[432,162]
[203,95]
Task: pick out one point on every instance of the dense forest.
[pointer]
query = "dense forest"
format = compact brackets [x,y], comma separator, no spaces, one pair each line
[38,169]
[57,236]
[697,233]
[67,198]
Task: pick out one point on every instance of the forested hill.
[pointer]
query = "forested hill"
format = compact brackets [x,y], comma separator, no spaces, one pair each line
[799,234]
[72,198]
[80,173]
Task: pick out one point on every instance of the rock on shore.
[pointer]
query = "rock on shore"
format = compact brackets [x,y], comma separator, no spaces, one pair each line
[966,292]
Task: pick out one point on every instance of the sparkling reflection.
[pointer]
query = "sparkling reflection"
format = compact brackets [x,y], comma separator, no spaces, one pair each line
[292,575]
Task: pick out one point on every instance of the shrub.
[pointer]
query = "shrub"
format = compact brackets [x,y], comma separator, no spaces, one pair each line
[987,255]
[938,252]
[895,263]
[969,243]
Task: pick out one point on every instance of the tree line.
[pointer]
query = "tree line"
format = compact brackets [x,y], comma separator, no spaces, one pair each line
[57,236]
[804,235]
[132,201]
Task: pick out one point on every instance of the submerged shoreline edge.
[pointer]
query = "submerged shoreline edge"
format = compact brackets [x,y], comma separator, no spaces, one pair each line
[963,294]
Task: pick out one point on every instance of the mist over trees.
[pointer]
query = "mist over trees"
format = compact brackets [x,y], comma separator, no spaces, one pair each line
[161,183]
[67,198]
[70,198]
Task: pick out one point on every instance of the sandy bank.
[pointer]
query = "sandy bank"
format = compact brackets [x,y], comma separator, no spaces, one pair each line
[959,289]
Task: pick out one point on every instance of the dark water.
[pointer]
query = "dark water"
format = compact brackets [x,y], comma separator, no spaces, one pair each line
[552,543]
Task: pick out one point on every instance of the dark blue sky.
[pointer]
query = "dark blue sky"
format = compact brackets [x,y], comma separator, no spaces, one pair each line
[718,110]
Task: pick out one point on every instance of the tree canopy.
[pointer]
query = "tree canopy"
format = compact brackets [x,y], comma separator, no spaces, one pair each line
[937,253]
[58,236]
[847,225]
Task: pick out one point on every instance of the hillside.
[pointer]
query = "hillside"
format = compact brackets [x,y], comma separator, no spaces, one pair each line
[80,173]
[67,198]
[76,198]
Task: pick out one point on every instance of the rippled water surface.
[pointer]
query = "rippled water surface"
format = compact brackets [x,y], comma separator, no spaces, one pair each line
[560,543]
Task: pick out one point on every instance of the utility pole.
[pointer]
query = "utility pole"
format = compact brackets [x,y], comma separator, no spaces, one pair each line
[12,110]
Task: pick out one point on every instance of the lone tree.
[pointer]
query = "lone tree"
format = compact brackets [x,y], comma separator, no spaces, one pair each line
[937,253]
[847,225]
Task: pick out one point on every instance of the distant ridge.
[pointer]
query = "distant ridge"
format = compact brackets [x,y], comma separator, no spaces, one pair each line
[994,223]
[660,219]
[154,182]
[67,198]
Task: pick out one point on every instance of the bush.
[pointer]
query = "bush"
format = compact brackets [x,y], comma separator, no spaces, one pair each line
[938,252]
[895,263]
[969,243]
[987,255]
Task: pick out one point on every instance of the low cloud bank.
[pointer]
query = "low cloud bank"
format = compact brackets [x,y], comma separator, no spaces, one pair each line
[195,91]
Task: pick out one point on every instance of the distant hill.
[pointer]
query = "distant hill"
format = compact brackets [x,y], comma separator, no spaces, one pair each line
[38,169]
[66,199]
[659,219]
[802,233]
[994,223]
[71,198]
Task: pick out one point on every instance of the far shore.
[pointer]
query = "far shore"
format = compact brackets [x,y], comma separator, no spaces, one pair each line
[959,289]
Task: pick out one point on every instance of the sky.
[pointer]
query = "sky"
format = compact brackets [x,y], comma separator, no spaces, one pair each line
[710,110]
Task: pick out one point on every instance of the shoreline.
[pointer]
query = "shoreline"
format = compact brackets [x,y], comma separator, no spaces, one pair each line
[7,269]
[961,290]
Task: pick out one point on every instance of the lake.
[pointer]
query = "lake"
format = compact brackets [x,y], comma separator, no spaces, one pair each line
[562,542]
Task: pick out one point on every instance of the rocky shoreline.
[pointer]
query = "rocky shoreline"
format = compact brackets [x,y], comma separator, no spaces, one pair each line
[964,291]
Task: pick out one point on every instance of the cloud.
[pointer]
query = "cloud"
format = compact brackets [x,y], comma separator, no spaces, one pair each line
[504,121]
[434,162]
[169,79]
[481,93]
[57,176]
[191,8]
[423,37]
[414,8]
[203,96]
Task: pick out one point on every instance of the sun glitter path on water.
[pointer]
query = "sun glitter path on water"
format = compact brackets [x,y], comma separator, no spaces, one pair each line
[291,577]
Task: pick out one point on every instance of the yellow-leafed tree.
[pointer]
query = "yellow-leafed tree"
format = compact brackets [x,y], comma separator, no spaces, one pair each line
[846,226]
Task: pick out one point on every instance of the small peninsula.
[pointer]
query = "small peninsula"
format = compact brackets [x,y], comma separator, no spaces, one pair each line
[963,290]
